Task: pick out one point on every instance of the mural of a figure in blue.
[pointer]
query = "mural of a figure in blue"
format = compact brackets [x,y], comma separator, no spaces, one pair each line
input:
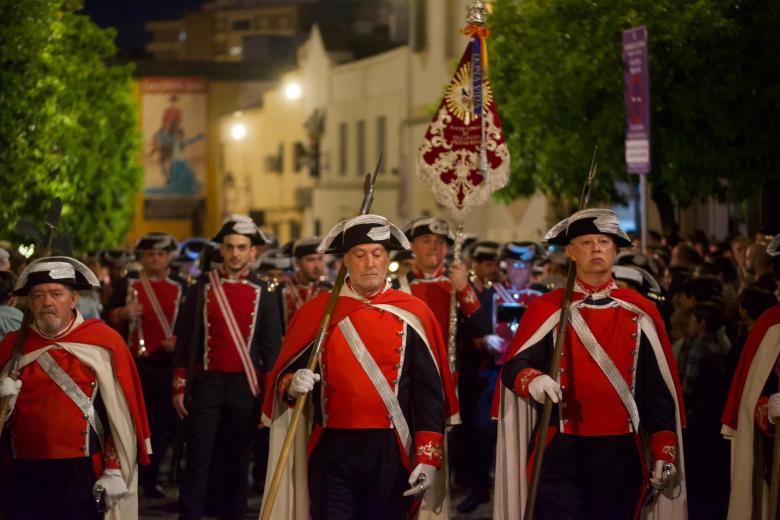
[170,145]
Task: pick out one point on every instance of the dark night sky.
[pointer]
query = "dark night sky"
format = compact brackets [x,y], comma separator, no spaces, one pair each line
[129,17]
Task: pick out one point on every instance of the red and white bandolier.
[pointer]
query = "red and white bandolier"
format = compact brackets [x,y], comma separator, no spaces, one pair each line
[229,338]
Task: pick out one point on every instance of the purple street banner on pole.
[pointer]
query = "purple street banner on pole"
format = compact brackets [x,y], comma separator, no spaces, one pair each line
[637,98]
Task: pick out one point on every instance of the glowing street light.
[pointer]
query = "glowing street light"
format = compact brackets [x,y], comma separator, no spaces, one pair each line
[238,131]
[293,91]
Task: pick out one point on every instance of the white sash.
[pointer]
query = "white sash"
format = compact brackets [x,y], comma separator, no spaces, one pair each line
[235,332]
[156,307]
[374,373]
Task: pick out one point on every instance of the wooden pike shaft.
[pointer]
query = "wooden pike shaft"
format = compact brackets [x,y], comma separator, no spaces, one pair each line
[276,480]
[289,438]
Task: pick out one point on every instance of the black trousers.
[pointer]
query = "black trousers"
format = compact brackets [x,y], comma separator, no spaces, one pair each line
[589,478]
[222,419]
[479,429]
[357,474]
[51,488]
[156,375]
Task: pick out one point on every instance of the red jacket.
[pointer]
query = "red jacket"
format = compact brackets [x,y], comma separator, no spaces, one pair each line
[46,424]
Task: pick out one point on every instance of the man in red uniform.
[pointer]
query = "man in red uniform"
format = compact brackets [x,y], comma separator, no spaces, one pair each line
[481,358]
[144,308]
[617,394]
[309,279]
[77,420]
[382,390]
[230,333]
[754,404]
[430,281]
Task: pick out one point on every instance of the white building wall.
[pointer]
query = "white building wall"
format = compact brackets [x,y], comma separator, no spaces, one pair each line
[401,85]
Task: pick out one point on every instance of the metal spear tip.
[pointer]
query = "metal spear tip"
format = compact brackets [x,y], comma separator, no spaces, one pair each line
[476,13]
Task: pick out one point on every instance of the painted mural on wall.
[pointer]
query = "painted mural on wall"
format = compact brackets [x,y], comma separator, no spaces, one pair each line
[174,130]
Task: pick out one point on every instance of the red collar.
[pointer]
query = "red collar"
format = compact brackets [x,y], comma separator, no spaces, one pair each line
[243,275]
[417,272]
[593,289]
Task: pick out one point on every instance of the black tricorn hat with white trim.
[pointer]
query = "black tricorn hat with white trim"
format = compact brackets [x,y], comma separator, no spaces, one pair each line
[156,240]
[593,221]
[241,225]
[56,269]
[484,250]
[524,250]
[363,229]
[274,259]
[640,279]
[115,257]
[773,248]
[429,226]
[305,246]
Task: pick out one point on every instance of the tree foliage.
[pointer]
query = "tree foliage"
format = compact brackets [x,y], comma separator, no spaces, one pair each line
[67,123]
[557,72]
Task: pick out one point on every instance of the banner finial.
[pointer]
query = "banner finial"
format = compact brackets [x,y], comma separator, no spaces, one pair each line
[477,13]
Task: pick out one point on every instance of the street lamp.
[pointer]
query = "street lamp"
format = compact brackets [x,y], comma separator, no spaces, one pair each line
[293,91]
[238,131]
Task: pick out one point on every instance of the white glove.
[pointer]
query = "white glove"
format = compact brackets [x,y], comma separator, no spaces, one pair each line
[773,408]
[420,479]
[663,473]
[10,388]
[302,382]
[114,485]
[494,343]
[544,385]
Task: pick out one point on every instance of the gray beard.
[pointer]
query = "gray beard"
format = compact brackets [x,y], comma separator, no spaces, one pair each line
[49,324]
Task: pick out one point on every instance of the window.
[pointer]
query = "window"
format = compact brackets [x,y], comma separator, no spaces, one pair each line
[420,35]
[242,25]
[361,147]
[381,141]
[342,148]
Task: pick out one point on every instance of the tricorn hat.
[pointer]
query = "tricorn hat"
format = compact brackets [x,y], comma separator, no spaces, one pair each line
[56,269]
[637,259]
[484,250]
[594,221]
[525,251]
[274,259]
[363,229]
[115,257]
[156,240]
[638,278]
[429,226]
[305,246]
[241,225]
